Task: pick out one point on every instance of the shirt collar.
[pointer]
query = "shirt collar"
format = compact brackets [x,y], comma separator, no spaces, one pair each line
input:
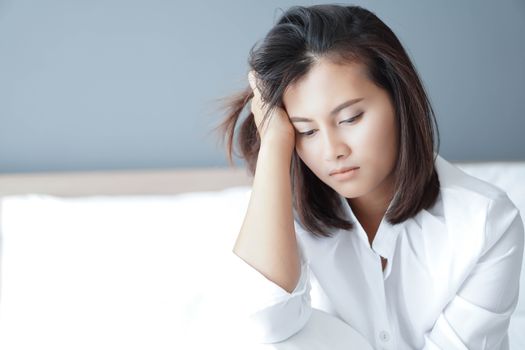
[386,235]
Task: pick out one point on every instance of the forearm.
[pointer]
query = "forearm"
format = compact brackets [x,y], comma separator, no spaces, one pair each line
[267,240]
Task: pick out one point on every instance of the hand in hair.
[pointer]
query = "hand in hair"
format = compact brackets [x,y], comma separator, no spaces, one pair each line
[276,124]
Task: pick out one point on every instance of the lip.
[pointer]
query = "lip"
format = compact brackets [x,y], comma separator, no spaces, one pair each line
[343,170]
[345,175]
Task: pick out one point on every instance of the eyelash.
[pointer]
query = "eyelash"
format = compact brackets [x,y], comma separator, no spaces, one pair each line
[350,120]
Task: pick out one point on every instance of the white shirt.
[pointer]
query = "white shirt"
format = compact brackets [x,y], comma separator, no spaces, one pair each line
[451,279]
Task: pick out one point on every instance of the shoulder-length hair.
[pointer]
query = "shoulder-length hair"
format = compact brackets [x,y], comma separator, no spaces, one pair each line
[342,34]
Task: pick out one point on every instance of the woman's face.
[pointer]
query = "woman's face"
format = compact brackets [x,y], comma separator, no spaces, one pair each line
[344,120]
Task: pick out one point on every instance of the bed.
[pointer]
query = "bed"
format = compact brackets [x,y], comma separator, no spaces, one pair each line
[140,260]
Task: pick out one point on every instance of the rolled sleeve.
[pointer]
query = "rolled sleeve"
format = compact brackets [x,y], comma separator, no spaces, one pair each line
[479,314]
[273,313]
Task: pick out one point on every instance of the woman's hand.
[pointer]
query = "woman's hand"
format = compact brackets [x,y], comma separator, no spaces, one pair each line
[277,125]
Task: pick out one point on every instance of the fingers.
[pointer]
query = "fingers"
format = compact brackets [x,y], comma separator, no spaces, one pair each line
[251,80]
[256,105]
[256,94]
[253,83]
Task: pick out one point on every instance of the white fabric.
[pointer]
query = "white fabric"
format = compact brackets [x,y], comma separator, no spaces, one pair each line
[136,272]
[153,272]
[451,281]
[132,273]
[323,332]
[509,177]
[119,272]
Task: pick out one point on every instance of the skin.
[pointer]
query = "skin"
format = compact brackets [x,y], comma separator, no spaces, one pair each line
[369,141]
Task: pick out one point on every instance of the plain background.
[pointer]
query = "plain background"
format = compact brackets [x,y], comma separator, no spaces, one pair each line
[114,84]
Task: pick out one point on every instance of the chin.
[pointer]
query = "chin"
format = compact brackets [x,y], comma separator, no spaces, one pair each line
[350,191]
[350,195]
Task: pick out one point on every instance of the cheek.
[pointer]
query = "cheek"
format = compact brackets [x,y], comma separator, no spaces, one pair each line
[308,153]
[379,136]
[303,148]
[388,135]
[381,146]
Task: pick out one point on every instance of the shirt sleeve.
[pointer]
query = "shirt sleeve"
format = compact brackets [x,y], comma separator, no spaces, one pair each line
[273,314]
[479,314]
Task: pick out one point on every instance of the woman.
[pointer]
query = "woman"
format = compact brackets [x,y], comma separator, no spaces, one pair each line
[348,191]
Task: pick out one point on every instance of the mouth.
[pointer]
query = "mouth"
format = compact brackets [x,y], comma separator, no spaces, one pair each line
[343,170]
[345,175]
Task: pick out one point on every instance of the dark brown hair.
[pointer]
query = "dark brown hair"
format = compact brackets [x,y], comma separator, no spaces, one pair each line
[342,34]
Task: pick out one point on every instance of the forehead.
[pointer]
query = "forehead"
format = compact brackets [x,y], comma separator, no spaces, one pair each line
[327,83]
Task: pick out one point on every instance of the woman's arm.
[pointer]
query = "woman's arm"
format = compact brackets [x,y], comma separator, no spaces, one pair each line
[267,239]
[273,278]
[272,271]
[478,315]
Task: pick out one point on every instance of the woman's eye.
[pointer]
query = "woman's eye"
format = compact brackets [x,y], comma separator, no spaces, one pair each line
[307,133]
[350,120]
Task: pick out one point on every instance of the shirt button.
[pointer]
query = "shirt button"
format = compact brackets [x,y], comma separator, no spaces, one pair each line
[384,336]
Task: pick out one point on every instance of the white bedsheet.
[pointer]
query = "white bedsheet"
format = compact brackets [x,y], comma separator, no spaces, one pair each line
[149,272]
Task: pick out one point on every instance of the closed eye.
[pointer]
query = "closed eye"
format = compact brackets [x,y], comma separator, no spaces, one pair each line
[348,121]
[307,133]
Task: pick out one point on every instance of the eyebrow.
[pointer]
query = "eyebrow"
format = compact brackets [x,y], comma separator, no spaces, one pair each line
[332,113]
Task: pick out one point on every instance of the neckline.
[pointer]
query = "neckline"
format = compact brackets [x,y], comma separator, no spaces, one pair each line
[385,235]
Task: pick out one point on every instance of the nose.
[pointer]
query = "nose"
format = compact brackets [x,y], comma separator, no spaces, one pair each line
[334,147]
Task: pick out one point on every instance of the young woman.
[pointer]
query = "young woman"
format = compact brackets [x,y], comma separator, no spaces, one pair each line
[348,190]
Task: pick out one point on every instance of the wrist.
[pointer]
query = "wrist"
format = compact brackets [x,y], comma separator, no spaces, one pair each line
[281,141]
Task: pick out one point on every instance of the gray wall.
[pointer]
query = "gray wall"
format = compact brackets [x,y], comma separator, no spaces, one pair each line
[95,85]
